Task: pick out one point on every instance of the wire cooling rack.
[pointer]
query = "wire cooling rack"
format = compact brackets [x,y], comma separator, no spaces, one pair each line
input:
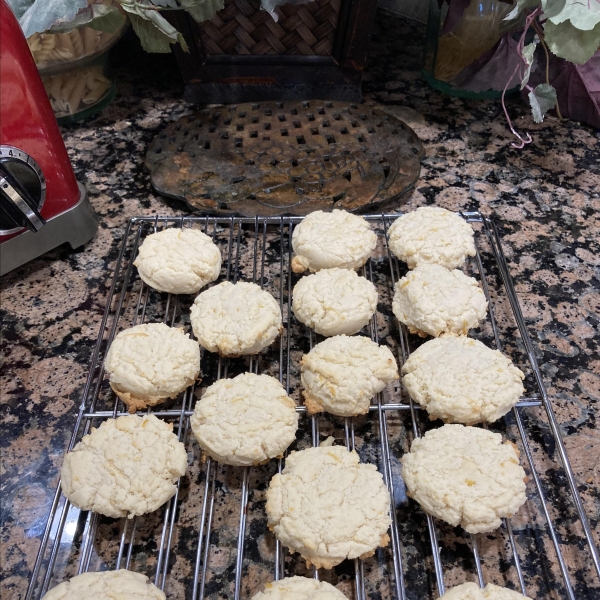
[211,541]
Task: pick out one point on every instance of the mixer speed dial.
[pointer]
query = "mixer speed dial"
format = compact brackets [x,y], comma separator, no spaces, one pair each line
[22,191]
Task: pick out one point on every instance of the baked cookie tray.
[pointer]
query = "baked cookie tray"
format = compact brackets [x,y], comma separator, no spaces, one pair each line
[211,539]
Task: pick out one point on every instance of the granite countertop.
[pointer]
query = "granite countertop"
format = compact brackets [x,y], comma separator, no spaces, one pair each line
[545,198]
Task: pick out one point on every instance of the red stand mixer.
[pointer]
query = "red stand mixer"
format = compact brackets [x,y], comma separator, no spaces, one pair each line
[41,203]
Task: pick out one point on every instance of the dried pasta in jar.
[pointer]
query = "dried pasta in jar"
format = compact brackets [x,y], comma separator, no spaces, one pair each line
[50,49]
[72,92]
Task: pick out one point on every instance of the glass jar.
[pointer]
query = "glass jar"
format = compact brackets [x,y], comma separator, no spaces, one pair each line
[470,51]
[73,66]
[78,92]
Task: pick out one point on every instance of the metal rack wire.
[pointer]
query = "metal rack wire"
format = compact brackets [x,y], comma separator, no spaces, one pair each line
[183,556]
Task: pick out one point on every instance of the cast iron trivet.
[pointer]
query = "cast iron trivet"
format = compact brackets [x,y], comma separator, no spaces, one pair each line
[290,158]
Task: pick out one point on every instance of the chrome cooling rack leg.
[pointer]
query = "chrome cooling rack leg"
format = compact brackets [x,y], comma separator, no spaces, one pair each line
[516,308]
[239,561]
[201,528]
[387,467]
[285,284]
[122,544]
[477,560]
[513,545]
[404,353]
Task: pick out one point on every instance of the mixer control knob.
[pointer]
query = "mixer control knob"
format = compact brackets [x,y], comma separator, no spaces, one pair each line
[22,191]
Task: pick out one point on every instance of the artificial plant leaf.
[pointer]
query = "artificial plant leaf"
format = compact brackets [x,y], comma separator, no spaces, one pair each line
[577,88]
[552,8]
[151,39]
[570,43]
[96,16]
[527,53]
[542,99]
[202,10]
[165,3]
[271,5]
[583,14]
[109,21]
[19,7]
[155,32]
[520,7]
[44,14]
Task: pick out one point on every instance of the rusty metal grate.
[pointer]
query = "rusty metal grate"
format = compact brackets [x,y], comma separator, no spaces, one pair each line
[243,28]
[291,158]
[210,541]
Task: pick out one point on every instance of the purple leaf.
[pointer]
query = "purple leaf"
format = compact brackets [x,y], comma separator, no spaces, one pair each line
[577,86]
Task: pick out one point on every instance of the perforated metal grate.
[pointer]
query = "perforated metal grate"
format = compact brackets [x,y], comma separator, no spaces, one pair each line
[277,158]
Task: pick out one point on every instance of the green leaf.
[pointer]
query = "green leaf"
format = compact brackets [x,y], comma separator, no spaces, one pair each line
[542,99]
[583,14]
[570,43]
[151,39]
[155,32]
[520,7]
[270,5]
[528,52]
[165,3]
[111,21]
[552,8]
[96,16]
[202,10]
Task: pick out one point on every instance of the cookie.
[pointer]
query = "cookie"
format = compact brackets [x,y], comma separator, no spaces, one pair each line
[341,375]
[461,380]
[324,240]
[299,588]
[128,466]
[178,261]
[235,319]
[334,302]
[328,507]
[431,235]
[465,476]
[471,591]
[106,585]
[245,421]
[433,300]
[150,363]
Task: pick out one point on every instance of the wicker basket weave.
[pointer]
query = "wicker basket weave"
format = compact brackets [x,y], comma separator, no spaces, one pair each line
[243,28]
[313,50]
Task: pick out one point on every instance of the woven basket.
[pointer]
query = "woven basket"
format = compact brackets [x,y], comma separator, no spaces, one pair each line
[242,28]
[313,50]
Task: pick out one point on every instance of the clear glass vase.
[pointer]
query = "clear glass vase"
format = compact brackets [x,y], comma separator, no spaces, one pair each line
[470,51]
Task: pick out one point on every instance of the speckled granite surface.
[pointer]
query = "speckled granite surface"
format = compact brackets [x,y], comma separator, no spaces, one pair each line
[546,199]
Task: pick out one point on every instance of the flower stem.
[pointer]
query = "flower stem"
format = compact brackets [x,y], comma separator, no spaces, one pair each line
[528,21]
[540,33]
